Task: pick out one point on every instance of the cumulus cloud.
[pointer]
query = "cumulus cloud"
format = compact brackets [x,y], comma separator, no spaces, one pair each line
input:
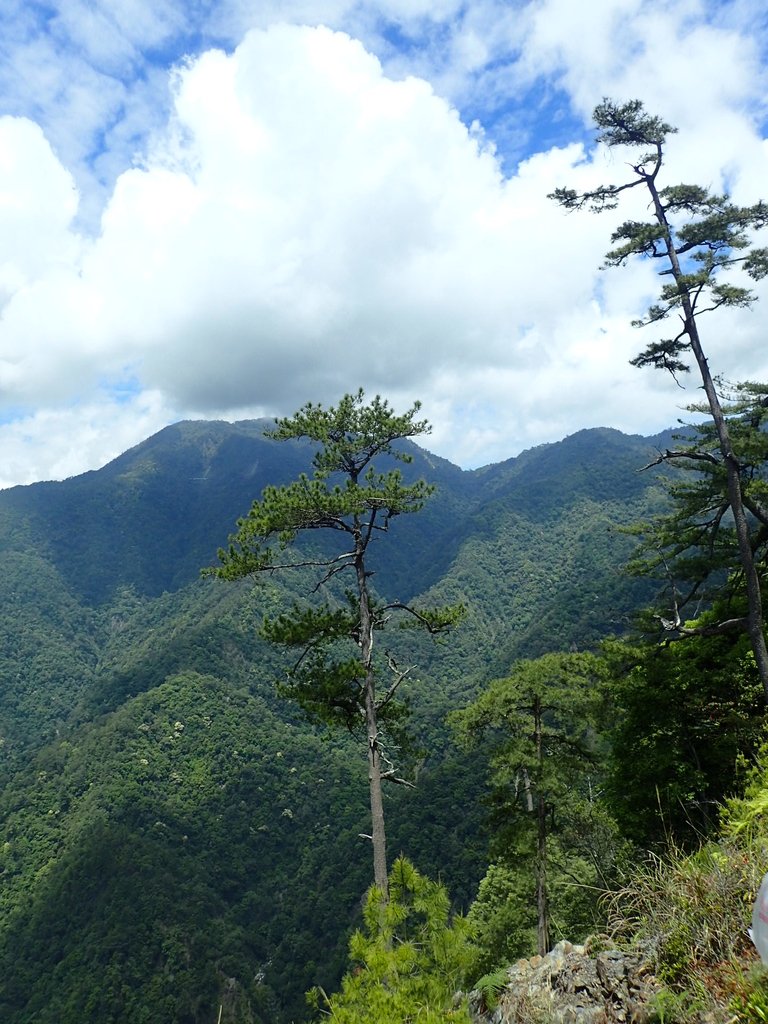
[38,202]
[39,446]
[307,221]
[305,225]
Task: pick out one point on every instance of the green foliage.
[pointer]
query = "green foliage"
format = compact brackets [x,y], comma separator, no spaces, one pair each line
[562,691]
[490,987]
[586,857]
[627,124]
[692,547]
[750,1003]
[670,1007]
[335,678]
[157,853]
[106,628]
[503,915]
[408,963]
[49,652]
[680,720]
[350,436]
[332,675]
[565,683]
[536,728]
[692,910]
[328,680]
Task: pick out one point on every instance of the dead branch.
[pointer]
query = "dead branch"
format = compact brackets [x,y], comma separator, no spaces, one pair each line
[711,629]
[665,456]
[400,675]
[390,775]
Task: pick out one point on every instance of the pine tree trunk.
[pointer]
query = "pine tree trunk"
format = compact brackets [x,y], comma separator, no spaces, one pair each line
[755,618]
[542,907]
[378,833]
[542,903]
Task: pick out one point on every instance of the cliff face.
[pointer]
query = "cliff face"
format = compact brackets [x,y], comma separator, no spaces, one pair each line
[573,985]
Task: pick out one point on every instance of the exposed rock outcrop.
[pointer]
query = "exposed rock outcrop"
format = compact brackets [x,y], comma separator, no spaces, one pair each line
[572,985]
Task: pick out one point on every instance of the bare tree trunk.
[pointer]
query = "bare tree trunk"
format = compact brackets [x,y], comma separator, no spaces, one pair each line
[542,903]
[378,833]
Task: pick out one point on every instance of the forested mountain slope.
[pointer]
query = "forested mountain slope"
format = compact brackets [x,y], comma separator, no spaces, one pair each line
[175,838]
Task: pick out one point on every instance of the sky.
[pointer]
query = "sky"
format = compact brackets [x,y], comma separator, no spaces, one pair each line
[224,210]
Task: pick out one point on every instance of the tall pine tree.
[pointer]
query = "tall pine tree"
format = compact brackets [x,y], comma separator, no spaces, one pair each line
[339,677]
[697,235]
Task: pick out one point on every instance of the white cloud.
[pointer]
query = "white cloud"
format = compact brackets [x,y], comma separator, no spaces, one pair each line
[305,224]
[664,52]
[113,34]
[309,224]
[53,444]
[38,202]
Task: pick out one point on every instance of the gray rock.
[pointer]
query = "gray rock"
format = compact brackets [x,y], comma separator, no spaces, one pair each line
[573,985]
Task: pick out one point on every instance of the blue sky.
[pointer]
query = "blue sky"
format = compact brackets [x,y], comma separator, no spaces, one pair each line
[227,209]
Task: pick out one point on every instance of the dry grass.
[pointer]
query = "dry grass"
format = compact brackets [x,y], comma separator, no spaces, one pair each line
[693,911]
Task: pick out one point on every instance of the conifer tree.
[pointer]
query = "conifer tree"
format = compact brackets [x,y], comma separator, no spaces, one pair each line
[337,676]
[408,962]
[536,724]
[691,544]
[697,235]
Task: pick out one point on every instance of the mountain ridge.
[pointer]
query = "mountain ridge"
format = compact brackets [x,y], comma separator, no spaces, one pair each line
[133,691]
[210,472]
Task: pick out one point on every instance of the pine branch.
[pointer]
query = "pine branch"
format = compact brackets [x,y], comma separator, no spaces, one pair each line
[666,455]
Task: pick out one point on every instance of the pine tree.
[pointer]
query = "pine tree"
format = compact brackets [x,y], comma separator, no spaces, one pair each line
[536,726]
[697,235]
[336,676]
[408,962]
[692,546]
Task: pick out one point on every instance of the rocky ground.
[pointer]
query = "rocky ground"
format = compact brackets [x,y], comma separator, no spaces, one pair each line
[573,985]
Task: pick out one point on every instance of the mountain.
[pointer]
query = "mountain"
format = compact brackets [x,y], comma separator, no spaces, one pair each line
[177,841]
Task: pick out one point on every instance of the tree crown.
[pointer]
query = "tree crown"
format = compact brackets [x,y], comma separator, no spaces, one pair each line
[345,494]
[697,233]
[352,433]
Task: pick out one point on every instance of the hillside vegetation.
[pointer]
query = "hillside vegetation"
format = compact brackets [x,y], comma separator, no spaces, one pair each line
[178,843]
